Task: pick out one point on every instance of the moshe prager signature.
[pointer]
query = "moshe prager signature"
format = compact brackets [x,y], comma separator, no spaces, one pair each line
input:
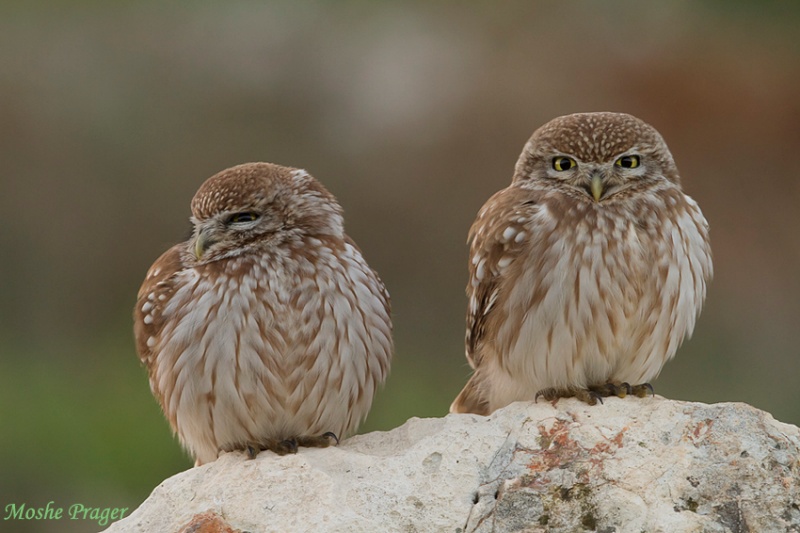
[76,511]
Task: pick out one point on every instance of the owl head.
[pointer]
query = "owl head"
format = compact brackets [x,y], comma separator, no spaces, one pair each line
[596,157]
[253,205]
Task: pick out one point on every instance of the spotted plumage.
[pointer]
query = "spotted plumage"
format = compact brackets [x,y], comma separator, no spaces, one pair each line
[587,272]
[267,328]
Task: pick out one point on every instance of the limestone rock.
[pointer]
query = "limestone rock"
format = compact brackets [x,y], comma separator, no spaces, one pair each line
[629,465]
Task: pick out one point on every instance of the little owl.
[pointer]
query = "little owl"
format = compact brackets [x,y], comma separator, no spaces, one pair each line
[587,272]
[266,329]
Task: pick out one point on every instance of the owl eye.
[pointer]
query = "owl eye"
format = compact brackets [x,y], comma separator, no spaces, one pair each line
[238,218]
[562,163]
[628,161]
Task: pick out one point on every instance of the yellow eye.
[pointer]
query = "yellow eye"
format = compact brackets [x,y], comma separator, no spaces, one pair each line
[628,161]
[238,218]
[562,163]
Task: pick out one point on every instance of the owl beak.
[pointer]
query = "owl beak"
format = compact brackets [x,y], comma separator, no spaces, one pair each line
[596,186]
[202,243]
[199,246]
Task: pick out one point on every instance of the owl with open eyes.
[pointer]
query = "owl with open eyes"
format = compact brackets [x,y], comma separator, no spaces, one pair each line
[266,330]
[587,272]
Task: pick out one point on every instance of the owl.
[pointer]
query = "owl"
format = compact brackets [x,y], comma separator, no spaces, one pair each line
[266,330]
[587,272]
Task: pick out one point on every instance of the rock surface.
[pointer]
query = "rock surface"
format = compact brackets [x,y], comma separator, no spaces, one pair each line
[629,465]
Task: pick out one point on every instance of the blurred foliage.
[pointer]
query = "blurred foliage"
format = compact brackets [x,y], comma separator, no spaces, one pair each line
[412,113]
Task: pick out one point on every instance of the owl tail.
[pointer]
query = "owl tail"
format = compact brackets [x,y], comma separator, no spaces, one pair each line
[471,399]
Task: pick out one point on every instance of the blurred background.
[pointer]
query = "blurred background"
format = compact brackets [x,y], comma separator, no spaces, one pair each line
[412,114]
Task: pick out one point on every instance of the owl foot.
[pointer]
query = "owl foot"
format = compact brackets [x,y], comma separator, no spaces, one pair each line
[323,441]
[286,447]
[252,451]
[642,390]
[620,389]
[289,446]
[585,395]
[596,393]
[279,447]
[612,388]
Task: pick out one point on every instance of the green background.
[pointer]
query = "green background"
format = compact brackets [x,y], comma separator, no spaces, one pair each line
[412,114]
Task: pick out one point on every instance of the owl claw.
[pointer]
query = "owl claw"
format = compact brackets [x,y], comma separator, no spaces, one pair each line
[612,388]
[642,390]
[585,395]
[549,394]
[595,393]
[323,441]
[252,451]
[622,389]
[287,446]
[588,396]
[291,445]
[282,447]
[331,435]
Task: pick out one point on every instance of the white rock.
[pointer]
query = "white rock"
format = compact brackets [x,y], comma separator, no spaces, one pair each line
[629,465]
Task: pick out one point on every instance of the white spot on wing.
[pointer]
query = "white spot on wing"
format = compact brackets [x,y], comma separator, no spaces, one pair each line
[481,270]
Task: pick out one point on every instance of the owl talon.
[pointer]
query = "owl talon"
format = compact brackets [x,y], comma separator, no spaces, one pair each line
[291,445]
[549,394]
[622,389]
[278,447]
[331,435]
[595,393]
[642,390]
[323,441]
[585,395]
[588,396]
[287,446]
[612,388]
[252,451]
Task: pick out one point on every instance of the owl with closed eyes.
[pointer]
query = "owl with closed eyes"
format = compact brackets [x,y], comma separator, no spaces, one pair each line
[266,329]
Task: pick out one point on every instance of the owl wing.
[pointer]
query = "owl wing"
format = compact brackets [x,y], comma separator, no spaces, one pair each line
[154,294]
[383,292]
[379,319]
[497,239]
